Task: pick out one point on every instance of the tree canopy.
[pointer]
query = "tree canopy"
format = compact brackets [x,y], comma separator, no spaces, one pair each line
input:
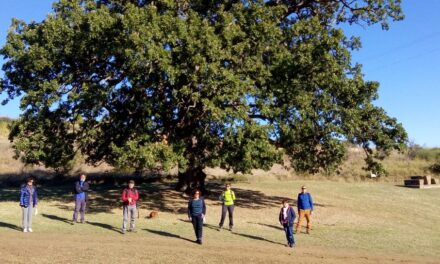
[236,84]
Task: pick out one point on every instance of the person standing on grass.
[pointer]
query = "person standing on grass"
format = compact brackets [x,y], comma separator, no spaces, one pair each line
[227,197]
[305,209]
[129,198]
[196,214]
[287,217]
[28,202]
[81,198]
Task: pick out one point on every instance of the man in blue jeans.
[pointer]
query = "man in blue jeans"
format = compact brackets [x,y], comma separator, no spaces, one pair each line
[81,190]
[287,217]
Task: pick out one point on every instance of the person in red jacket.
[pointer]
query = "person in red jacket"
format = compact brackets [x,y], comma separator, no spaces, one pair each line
[129,198]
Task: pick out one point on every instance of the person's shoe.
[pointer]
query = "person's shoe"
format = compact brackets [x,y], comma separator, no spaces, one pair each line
[25,230]
[123,231]
[83,221]
[133,230]
[292,245]
[199,242]
[308,232]
[220,228]
[230,228]
[73,223]
[30,230]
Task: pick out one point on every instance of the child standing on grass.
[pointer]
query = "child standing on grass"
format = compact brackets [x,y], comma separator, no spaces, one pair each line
[196,214]
[28,201]
[287,217]
[129,197]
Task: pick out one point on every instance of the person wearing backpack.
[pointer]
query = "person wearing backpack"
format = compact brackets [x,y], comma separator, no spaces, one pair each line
[305,209]
[130,196]
[227,198]
[287,217]
[81,197]
[28,202]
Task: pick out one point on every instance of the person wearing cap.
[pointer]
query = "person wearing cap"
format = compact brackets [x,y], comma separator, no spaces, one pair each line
[130,196]
[28,202]
[196,214]
[305,209]
[227,198]
[81,197]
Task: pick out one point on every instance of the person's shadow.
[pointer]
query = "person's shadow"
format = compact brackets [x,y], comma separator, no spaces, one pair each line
[167,234]
[57,218]
[11,226]
[267,225]
[105,226]
[257,238]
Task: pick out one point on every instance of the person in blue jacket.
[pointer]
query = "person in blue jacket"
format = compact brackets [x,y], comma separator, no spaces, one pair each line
[305,210]
[287,217]
[196,214]
[28,202]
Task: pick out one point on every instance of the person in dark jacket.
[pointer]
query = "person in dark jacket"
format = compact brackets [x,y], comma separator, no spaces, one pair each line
[305,210]
[28,202]
[81,198]
[196,214]
[287,217]
[129,198]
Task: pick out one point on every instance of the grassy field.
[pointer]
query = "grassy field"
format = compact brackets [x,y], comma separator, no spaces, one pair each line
[353,223]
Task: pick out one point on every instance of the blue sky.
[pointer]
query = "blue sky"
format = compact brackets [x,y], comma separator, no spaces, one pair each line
[405,60]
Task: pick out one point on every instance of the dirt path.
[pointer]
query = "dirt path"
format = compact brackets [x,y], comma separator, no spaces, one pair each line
[17,247]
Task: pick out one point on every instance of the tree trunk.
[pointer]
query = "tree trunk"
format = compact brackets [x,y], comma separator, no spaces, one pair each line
[191,179]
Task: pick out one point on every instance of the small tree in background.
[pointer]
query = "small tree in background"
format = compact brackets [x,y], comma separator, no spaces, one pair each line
[234,84]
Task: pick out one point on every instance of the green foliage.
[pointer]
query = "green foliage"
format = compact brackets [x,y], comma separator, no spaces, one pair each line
[138,156]
[196,83]
[43,140]
[435,168]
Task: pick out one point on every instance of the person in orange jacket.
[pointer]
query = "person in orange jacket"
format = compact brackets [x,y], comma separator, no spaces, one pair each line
[129,198]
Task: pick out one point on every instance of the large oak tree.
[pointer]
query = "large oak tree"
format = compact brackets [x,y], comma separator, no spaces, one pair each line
[236,84]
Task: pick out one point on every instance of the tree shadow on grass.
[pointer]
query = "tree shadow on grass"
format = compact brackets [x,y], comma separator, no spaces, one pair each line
[105,195]
[57,218]
[105,226]
[167,234]
[11,226]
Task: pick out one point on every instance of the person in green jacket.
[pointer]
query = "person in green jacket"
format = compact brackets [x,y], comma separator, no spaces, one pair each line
[227,197]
